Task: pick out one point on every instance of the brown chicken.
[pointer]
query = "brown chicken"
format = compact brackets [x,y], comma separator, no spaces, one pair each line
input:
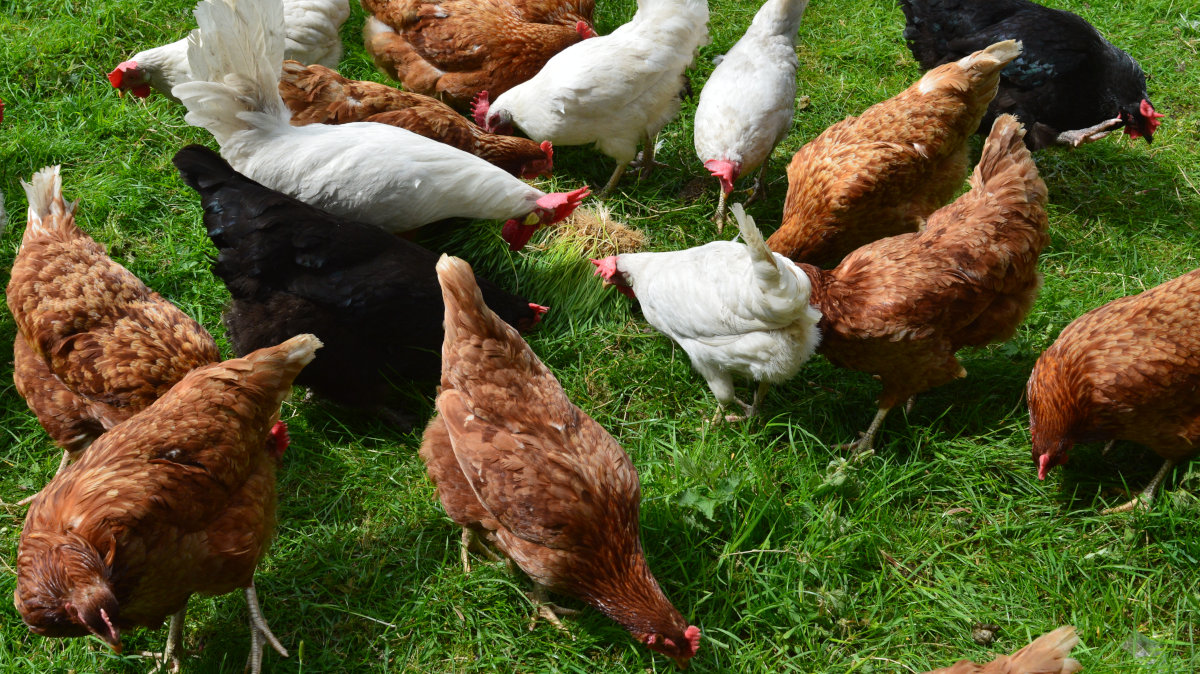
[317,95]
[95,345]
[514,460]
[561,12]
[1048,654]
[177,500]
[1129,370]
[455,49]
[901,307]
[883,172]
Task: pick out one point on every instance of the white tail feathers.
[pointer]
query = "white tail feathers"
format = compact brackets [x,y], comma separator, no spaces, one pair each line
[785,289]
[47,210]
[754,240]
[236,56]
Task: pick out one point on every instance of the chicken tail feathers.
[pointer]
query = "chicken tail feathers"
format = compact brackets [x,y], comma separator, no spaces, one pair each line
[977,74]
[1007,171]
[274,368]
[766,268]
[49,215]
[236,56]
[466,312]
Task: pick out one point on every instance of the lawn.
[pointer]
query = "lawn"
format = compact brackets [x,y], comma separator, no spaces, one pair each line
[788,556]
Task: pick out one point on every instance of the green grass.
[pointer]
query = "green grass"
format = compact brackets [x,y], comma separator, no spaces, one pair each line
[788,558]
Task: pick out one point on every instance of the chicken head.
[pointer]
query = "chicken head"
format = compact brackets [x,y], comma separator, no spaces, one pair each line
[127,76]
[1142,122]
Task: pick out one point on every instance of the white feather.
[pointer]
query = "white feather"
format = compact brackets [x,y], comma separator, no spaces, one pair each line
[363,171]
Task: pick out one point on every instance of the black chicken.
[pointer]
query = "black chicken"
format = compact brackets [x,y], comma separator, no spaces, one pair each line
[370,296]
[1069,86]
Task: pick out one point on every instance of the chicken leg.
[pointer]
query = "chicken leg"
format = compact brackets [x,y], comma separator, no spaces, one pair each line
[548,610]
[471,540]
[260,633]
[1142,500]
[759,189]
[719,218]
[748,411]
[1091,134]
[867,442]
[612,181]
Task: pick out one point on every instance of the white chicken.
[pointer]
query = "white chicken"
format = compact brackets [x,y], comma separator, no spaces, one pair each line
[747,104]
[313,36]
[615,90]
[374,173]
[734,308]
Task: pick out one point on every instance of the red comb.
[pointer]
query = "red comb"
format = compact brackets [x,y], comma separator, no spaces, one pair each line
[117,76]
[479,109]
[538,310]
[1043,466]
[585,31]
[546,147]
[517,234]
[563,203]
[692,634]
[279,433]
[723,170]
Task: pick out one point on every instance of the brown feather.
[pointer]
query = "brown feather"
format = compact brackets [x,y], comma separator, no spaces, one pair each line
[456,48]
[1048,654]
[883,172]
[554,491]
[95,345]
[901,307]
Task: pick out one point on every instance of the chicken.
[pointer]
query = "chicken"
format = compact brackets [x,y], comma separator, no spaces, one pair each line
[316,94]
[901,307]
[1128,370]
[375,173]
[312,36]
[372,298]
[746,106]
[882,173]
[453,49]
[1048,654]
[513,459]
[1070,86]
[734,308]
[177,500]
[614,91]
[94,345]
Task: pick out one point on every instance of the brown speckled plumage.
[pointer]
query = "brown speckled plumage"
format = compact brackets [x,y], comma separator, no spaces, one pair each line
[317,95]
[1048,654]
[883,172]
[456,48]
[513,457]
[1129,370]
[177,500]
[95,345]
[901,307]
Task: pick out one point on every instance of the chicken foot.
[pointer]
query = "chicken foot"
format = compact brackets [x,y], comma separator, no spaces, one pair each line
[260,633]
[644,161]
[61,464]
[866,442]
[748,411]
[471,540]
[1142,500]
[1091,134]
[758,190]
[548,610]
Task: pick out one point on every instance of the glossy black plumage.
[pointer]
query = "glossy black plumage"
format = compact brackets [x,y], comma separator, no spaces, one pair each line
[370,296]
[1068,76]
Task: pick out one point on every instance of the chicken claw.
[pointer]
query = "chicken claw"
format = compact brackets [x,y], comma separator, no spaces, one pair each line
[168,659]
[548,610]
[471,540]
[866,442]
[1091,134]
[260,633]
[1142,501]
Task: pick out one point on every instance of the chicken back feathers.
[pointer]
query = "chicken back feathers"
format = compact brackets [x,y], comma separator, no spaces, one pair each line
[317,95]
[371,297]
[556,493]
[1067,78]
[1048,654]
[177,500]
[1128,370]
[95,345]
[453,49]
[901,307]
[883,172]
[734,308]
[614,90]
